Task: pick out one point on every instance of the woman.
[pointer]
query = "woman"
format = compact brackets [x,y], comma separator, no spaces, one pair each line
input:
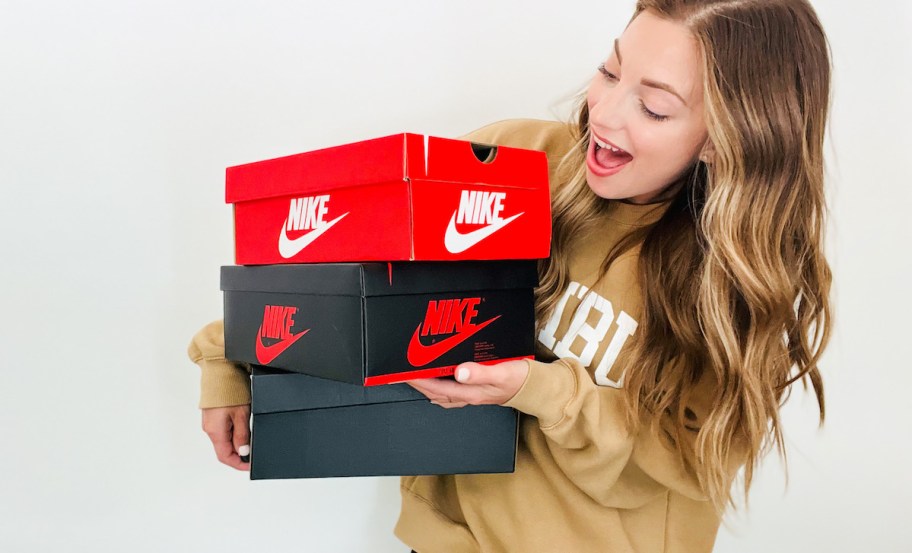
[685,292]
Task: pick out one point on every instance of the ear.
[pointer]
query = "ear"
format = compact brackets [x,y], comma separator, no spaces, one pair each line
[708,153]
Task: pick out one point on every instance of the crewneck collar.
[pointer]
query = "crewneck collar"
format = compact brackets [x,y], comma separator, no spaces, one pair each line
[636,215]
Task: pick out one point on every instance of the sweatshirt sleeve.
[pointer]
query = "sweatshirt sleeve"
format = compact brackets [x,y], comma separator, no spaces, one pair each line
[583,424]
[585,428]
[222,382]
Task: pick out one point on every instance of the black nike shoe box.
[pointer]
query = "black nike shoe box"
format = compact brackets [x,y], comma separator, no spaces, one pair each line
[308,427]
[379,323]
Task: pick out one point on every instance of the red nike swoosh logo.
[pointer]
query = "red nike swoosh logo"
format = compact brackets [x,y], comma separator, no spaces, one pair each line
[419,354]
[266,354]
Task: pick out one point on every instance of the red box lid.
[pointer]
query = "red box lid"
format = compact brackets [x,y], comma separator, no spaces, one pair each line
[400,197]
[400,156]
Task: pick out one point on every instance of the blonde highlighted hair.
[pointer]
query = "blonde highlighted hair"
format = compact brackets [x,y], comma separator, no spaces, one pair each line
[734,275]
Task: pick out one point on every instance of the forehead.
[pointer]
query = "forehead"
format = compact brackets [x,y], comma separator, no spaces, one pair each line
[662,50]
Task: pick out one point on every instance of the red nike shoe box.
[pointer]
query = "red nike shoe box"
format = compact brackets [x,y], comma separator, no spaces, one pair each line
[396,198]
[378,323]
[308,427]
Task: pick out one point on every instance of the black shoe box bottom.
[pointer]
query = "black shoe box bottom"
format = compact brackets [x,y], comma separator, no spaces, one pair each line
[309,427]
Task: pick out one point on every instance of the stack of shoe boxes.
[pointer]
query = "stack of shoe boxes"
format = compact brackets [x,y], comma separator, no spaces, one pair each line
[365,265]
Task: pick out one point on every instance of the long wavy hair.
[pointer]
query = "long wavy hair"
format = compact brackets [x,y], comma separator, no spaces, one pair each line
[733,274]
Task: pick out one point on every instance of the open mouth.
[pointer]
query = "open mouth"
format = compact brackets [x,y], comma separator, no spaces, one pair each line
[607,156]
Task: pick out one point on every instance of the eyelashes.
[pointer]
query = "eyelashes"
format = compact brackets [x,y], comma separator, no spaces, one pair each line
[652,115]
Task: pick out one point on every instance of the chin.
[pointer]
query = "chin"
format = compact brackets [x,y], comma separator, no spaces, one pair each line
[608,191]
[603,188]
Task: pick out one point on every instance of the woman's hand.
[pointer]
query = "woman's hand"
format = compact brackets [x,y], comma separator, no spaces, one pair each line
[475,384]
[229,430]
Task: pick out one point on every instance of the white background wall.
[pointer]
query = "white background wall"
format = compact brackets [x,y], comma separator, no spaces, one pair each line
[117,120]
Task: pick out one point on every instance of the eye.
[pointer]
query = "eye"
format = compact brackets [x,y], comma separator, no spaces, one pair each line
[651,114]
[611,76]
[605,72]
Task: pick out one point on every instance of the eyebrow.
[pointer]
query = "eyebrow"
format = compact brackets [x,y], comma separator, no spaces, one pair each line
[649,82]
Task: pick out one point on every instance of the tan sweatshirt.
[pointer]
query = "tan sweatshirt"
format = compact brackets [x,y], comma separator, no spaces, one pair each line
[582,483]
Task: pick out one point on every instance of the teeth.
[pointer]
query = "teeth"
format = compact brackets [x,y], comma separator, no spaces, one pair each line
[601,144]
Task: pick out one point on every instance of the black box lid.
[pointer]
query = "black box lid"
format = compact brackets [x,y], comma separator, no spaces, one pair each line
[381,279]
[277,391]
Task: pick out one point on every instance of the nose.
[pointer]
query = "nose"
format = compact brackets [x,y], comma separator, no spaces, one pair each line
[606,109]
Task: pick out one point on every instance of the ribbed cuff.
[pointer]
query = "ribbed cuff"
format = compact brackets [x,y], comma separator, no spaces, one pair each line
[223,383]
[548,389]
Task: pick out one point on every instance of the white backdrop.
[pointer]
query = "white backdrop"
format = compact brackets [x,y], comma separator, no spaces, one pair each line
[117,120]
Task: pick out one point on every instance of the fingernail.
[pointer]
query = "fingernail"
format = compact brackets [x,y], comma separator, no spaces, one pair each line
[244,452]
[462,374]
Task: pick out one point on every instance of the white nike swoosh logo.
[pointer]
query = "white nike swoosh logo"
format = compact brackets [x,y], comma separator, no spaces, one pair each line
[290,248]
[456,242]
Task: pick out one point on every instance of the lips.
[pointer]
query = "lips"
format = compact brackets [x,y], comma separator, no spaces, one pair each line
[605,158]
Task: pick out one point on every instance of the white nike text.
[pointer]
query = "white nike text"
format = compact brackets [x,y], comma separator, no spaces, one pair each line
[307,213]
[479,208]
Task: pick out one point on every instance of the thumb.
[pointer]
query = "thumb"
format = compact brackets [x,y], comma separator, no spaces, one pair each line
[472,373]
[240,418]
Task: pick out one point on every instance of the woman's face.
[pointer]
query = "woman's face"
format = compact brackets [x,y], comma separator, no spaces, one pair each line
[647,100]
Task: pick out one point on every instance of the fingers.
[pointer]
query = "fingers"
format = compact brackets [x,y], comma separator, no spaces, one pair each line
[218,424]
[444,392]
[450,405]
[226,453]
[440,390]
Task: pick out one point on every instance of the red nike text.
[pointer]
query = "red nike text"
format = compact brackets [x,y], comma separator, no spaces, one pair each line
[448,316]
[277,324]
[445,317]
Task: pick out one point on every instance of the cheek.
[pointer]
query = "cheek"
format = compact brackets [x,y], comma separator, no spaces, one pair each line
[676,146]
